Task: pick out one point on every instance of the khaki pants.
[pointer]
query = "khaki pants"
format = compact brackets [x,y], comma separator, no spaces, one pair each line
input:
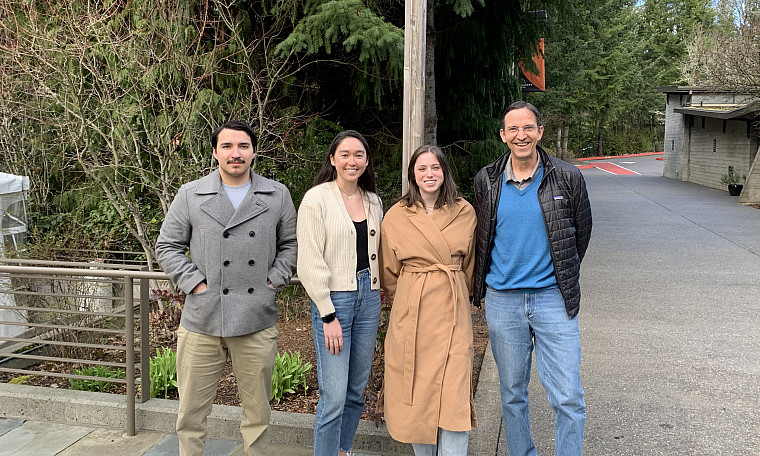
[200,363]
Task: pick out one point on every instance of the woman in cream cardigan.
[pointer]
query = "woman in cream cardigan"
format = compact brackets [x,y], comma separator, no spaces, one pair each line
[338,240]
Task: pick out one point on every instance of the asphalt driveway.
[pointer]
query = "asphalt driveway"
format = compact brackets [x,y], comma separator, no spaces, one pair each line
[670,320]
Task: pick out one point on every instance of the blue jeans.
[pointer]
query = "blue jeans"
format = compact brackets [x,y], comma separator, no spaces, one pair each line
[450,443]
[516,320]
[343,377]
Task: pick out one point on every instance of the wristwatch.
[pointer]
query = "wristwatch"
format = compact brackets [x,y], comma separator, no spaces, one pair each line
[328,318]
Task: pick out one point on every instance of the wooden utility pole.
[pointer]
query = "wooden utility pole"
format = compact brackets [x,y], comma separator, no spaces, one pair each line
[415,24]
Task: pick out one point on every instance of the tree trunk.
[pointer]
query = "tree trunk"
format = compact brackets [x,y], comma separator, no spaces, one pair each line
[431,113]
[559,140]
[565,136]
[655,142]
[599,145]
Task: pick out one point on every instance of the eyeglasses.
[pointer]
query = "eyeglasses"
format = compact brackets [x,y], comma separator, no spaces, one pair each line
[526,129]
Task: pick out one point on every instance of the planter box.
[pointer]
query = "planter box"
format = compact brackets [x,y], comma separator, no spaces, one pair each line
[735,189]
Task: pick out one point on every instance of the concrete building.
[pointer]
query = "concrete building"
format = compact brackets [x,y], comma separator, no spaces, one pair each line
[709,133]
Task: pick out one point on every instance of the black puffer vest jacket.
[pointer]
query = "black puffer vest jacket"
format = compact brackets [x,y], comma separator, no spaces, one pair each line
[567,215]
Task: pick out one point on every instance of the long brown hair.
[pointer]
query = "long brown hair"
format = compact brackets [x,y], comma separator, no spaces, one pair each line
[328,173]
[449,194]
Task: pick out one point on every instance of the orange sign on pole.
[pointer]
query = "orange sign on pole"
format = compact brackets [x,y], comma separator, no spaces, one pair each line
[532,82]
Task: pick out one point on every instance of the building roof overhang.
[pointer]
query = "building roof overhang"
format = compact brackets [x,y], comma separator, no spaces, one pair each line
[692,89]
[723,110]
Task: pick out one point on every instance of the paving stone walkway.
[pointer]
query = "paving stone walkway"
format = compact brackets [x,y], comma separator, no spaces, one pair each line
[19,437]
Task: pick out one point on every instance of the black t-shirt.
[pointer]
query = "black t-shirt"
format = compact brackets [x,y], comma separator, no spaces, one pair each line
[362,256]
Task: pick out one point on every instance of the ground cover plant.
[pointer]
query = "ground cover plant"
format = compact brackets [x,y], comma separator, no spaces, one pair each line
[101,386]
[163,372]
[289,375]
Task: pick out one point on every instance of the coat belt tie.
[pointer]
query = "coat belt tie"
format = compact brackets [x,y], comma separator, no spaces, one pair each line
[410,349]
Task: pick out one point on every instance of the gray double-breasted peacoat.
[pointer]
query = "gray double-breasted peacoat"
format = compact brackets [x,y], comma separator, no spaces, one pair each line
[238,252]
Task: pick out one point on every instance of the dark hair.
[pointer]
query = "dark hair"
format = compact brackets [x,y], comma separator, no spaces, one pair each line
[328,173]
[238,125]
[449,193]
[522,105]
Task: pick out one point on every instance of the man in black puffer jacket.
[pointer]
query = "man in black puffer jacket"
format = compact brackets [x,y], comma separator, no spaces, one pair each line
[534,225]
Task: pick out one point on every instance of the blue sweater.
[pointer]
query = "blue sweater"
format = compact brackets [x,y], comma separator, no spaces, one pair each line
[520,259]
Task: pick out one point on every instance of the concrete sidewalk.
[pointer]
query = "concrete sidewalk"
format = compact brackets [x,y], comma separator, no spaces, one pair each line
[20,437]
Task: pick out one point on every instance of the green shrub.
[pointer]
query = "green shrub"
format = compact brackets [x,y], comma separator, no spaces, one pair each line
[95,385]
[732,177]
[163,372]
[21,380]
[289,374]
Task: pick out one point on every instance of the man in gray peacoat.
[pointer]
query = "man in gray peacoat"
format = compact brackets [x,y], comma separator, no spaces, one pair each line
[240,229]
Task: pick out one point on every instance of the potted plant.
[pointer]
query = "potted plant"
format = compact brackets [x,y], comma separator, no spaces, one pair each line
[732,180]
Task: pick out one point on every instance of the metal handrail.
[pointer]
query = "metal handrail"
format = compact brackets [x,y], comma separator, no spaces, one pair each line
[62,271]
[82,377]
[112,273]
[61,343]
[74,264]
[109,256]
[70,360]
[67,311]
[89,273]
[60,295]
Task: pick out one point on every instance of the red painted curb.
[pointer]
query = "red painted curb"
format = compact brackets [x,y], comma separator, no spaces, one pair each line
[620,156]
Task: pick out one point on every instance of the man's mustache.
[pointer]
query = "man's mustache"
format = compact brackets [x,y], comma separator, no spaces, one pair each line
[235,160]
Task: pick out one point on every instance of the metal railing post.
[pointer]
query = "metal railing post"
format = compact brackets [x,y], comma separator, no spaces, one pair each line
[129,307]
[144,340]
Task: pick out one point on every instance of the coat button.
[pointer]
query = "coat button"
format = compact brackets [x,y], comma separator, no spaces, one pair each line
[226,263]
[225,291]
[251,262]
[371,232]
[250,290]
[373,257]
[374,280]
[251,233]
[226,234]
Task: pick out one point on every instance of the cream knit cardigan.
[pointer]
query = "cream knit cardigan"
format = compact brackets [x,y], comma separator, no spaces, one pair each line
[327,243]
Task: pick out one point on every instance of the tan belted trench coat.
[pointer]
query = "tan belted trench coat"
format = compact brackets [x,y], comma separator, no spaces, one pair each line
[427,265]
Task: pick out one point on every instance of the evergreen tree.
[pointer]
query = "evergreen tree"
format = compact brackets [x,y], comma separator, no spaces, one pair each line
[604,64]
[351,35]
[475,64]
[569,50]
[666,28]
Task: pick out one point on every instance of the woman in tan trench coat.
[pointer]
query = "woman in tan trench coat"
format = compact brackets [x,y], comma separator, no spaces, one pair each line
[427,252]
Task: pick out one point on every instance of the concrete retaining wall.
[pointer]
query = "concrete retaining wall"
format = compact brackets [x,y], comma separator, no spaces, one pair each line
[160,415]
